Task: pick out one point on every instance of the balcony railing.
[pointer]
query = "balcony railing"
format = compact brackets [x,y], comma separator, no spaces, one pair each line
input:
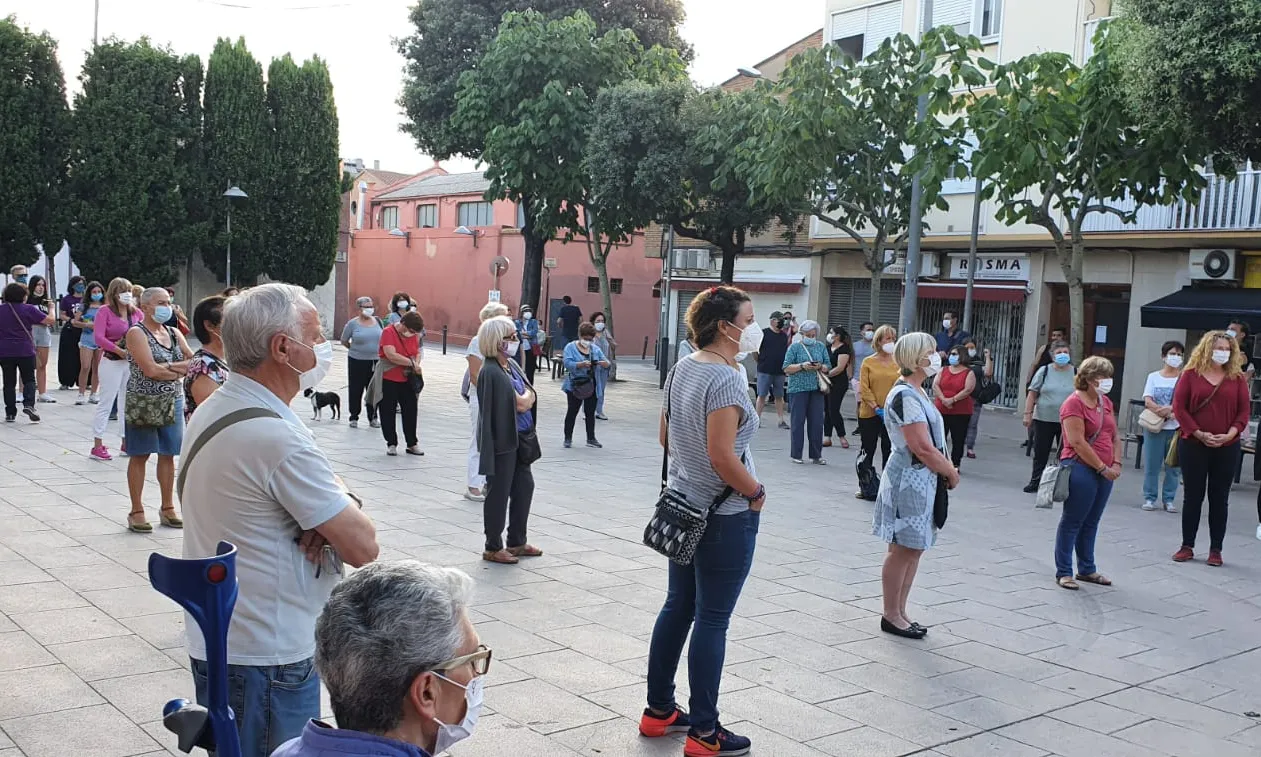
[1225,205]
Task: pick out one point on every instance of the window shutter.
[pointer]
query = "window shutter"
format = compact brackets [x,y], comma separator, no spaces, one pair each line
[883,22]
[955,13]
[849,24]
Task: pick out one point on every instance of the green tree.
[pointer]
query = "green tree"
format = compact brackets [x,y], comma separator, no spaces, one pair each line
[1060,145]
[534,94]
[305,196]
[236,146]
[1194,68]
[132,130]
[34,143]
[842,141]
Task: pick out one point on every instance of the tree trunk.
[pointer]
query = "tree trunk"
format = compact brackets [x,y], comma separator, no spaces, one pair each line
[874,315]
[532,266]
[733,248]
[599,259]
[1076,299]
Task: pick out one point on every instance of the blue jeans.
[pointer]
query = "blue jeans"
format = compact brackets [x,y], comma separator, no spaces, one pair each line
[1155,446]
[601,381]
[705,592]
[806,410]
[1087,497]
[272,704]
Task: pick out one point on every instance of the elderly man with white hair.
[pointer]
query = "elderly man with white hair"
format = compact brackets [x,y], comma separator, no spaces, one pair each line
[402,662]
[253,475]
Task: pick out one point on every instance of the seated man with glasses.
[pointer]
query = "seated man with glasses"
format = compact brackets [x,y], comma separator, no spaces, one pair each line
[402,663]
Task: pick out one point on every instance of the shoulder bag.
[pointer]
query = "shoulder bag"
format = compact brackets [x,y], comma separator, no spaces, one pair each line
[987,389]
[1171,456]
[677,525]
[582,387]
[825,381]
[151,410]
[941,498]
[1053,486]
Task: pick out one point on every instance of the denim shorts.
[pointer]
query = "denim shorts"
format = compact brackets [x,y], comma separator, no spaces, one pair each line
[772,385]
[272,704]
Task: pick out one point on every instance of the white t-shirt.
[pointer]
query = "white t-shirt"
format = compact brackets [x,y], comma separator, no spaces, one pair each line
[258,484]
[1160,389]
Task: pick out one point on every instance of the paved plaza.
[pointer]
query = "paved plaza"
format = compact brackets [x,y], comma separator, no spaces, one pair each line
[1167,662]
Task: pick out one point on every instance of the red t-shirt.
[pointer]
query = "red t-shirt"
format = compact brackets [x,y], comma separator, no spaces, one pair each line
[1075,407]
[1198,409]
[408,347]
[951,384]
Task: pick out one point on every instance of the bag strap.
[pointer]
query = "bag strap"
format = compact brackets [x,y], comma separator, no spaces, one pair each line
[1203,404]
[232,418]
[31,336]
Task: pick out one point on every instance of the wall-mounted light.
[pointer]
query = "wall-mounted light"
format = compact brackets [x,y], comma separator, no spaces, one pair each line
[406,235]
[466,231]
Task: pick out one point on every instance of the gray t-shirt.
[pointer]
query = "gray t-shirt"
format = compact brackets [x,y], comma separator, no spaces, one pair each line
[1053,387]
[364,340]
[693,391]
[862,351]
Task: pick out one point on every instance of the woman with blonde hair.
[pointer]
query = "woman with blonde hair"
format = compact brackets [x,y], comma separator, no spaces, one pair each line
[476,482]
[1211,406]
[1089,450]
[113,321]
[903,515]
[876,377]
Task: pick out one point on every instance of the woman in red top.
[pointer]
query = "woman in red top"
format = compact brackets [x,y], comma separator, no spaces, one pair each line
[1089,451]
[952,390]
[1211,405]
[400,349]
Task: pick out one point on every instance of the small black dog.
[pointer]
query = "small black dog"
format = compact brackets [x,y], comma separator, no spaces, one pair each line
[321,400]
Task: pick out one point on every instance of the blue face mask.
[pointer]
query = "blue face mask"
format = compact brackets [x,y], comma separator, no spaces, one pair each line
[78,288]
[21,278]
[954,359]
[1063,358]
[162,313]
[97,296]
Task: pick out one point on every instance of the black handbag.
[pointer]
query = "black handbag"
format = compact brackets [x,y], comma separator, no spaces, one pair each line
[528,449]
[415,382]
[941,499]
[583,387]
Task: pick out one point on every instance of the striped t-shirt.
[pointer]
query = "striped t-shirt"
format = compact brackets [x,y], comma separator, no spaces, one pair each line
[694,390]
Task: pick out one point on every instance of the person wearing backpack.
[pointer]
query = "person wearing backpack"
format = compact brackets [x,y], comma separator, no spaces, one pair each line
[1051,385]
[984,372]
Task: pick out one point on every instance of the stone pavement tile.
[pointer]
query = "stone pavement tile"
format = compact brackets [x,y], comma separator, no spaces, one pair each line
[1100,717]
[96,659]
[609,563]
[900,719]
[1082,685]
[983,712]
[620,617]
[18,650]
[45,595]
[989,745]
[803,651]
[61,557]
[998,599]
[864,742]
[71,624]
[1170,739]
[554,592]
[1086,617]
[1205,720]
[1001,661]
[1012,641]
[583,577]
[1030,697]
[1250,738]
[7,625]
[164,630]
[1238,671]
[575,672]
[5,741]
[610,738]
[1188,686]
[1113,645]
[546,708]
[783,714]
[1101,665]
[499,735]
[805,684]
[91,526]
[823,608]
[906,687]
[767,742]
[533,614]
[141,697]
[511,642]
[29,542]
[92,577]
[1008,619]
[100,731]
[597,642]
[898,654]
[1069,740]
[17,572]
[35,691]
[811,627]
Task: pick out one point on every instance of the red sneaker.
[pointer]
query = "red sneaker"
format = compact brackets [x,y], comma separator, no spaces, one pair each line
[1184,554]
[1215,559]
[654,725]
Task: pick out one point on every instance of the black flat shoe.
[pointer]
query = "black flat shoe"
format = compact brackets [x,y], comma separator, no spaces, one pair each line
[919,627]
[913,632]
[1031,487]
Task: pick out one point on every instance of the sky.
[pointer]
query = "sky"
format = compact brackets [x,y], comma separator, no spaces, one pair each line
[355,38]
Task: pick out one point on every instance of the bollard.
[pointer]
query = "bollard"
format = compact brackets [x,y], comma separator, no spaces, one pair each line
[444,339]
[664,361]
[644,354]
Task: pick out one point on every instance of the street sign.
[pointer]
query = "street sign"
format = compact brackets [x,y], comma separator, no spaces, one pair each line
[494,296]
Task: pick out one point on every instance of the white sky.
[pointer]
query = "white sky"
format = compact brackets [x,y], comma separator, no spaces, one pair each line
[354,37]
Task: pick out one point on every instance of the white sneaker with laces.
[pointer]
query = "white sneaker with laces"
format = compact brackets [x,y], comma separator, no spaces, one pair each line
[1259,532]
[47,398]
[1172,508]
[82,399]
[1149,505]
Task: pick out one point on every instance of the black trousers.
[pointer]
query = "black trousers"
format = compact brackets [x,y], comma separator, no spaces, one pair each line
[68,357]
[957,431]
[509,494]
[1046,435]
[360,375]
[872,430]
[14,368]
[571,415]
[397,398]
[1206,470]
[531,365]
[832,419]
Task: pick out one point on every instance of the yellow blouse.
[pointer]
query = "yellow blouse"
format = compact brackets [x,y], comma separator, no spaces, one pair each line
[875,380]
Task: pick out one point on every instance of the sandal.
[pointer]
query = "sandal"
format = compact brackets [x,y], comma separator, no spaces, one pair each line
[1067,582]
[525,550]
[844,443]
[172,520]
[143,527]
[1095,578]
[503,557]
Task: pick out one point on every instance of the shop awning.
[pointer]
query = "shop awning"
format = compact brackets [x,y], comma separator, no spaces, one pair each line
[765,284]
[980,292]
[1204,309]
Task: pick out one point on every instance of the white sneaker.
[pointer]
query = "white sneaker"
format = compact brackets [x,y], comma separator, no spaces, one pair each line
[82,399]
[1172,508]
[391,451]
[1149,505]
[1259,532]
[354,424]
[48,398]
[94,398]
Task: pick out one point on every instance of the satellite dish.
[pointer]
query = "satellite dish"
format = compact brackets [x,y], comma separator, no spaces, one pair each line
[499,266]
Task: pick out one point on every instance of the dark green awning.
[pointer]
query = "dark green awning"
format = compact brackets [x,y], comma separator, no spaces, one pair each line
[1203,309]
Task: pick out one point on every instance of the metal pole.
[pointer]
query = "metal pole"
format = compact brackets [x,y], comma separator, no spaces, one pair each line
[910,301]
[667,298]
[96,23]
[228,268]
[976,229]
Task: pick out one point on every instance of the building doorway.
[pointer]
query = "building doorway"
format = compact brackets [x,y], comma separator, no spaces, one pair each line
[1107,321]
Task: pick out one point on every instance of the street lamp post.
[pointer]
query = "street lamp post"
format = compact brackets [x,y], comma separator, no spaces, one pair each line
[233,193]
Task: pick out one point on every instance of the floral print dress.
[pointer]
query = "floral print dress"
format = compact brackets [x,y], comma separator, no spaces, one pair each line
[203,364]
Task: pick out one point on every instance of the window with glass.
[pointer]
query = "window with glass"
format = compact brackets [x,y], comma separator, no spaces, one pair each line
[389,217]
[427,216]
[593,284]
[991,18]
[475,214]
[615,286]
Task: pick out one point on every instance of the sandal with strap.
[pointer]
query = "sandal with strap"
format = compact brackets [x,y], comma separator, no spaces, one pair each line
[1067,582]
[503,557]
[170,518]
[143,527]
[1095,578]
[525,550]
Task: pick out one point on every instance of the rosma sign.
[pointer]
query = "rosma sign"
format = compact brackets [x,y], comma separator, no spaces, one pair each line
[991,267]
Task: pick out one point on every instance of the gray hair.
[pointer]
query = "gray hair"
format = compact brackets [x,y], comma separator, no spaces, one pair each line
[253,317]
[364,302]
[911,348]
[491,335]
[383,626]
[492,309]
[809,325]
[147,295]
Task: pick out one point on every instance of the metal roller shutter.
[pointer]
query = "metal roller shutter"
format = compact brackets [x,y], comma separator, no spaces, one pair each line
[849,302]
[883,22]
[998,326]
[685,300]
[953,13]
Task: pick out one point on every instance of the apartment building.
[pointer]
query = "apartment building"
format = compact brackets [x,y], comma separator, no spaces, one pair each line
[1172,274]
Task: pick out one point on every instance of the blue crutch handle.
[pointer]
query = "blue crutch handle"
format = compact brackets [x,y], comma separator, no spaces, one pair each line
[206,588]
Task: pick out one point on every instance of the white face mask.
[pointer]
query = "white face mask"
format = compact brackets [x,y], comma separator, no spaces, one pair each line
[450,735]
[585,343]
[125,298]
[889,347]
[1105,385]
[599,327]
[1232,333]
[369,312]
[869,335]
[971,352]
[403,305]
[831,337]
[740,356]
[510,348]
[945,324]
[1221,357]
[750,337]
[934,365]
[1173,361]
[527,315]
[310,379]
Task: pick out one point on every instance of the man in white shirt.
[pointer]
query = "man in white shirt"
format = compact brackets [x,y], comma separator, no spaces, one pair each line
[253,475]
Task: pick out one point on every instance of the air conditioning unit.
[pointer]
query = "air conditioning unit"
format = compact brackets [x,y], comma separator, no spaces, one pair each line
[1214,265]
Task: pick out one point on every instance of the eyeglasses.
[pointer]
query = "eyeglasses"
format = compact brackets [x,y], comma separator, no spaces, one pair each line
[329,560]
[480,660]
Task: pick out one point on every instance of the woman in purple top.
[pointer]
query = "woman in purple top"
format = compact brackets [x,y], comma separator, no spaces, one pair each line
[68,344]
[17,349]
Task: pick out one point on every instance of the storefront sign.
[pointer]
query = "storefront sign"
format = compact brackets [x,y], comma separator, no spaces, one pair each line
[990,267]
